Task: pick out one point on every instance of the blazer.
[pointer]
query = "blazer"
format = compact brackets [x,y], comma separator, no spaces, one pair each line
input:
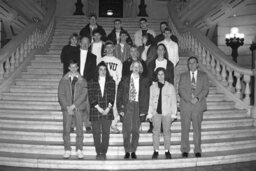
[151,53]
[66,55]
[138,36]
[90,65]
[87,32]
[169,74]
[201,92]
[80,94]
[126,68]
[122,56]
[123,94]
[169,101]
[95,98]
[112,37]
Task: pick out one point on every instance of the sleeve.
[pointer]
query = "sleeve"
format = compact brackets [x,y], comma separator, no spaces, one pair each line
[183,90]
[145,98]
[62,95]
[205,88]
[119,72]
[151,102]
[119,97]
[112,92]
[83,95]
[173,102]
[62,55]
[92,95]
[176,54]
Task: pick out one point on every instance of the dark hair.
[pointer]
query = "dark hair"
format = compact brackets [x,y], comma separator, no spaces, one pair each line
[157,71]
[96,75]
[164,22]
[117,20]
[143,19]
[150,38]
[109,42]
[168,29]
[96,31]
[166,53]
[124,32]
[73,35]
[92,15]
[72,61]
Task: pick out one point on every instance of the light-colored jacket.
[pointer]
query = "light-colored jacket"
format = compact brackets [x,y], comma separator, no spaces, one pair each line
[169,102]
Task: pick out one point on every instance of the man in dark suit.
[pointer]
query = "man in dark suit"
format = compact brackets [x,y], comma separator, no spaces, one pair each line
[87,68]
[193,89]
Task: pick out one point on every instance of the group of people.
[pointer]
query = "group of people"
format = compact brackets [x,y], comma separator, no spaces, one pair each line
[108,78]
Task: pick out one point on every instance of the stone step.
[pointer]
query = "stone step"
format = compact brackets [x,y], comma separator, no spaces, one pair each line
[115,151]
[25,83]
[44,71]
[53,76]
[38,79]
[46,56]
[57,125]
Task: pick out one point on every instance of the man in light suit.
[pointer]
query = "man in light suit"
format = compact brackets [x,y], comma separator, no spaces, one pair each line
[87,68]
[193,89]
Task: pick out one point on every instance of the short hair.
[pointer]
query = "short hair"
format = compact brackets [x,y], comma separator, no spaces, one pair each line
[117,20]
[143,19]
[72,61]
[92,15]
[168,29]
[73,35]
[140,66]
[124,32]
[164,22]
[150,38]
[157,71]
[96,31]
[192,57]
[166,53]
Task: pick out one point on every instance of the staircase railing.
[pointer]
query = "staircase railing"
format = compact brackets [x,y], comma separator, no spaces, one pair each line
[34,36]
[234,81]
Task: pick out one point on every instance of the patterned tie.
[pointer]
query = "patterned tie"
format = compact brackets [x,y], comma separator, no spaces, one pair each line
[193,84]
[73,82]
[132,92]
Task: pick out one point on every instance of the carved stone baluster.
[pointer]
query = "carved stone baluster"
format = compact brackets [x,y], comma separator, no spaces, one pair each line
[200,52]
[195,48]
[208,60]
[247,92]
[1,71]
[7,67]
[25,46]
[238,85]
[213,65]
[21,52]
[17,57]
[224,76]
[218,70]
[32,41]
[12,62]
[230,80]
[29,44]
[203,56]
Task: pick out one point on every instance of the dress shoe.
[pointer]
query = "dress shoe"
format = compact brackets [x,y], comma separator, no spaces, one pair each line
[103,156]
[184,154]
[168,155]
[98,156]
[127,155]
[155,155]
[198,154]
[133,155]
[72,130]
[88,129]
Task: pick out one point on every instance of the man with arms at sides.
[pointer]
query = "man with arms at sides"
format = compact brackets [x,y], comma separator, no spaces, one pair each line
[115,34]
[115,70]
[193,89]
[122,49]
[73,98]
[87,68]
[160,37]
[97,47]
[143,30]
[133,99]
[92,25]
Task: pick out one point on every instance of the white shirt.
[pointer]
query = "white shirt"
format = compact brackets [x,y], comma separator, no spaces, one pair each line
[102,81]
[83,57]
[144,53]
[195,75]
[172,50]
[122,47]
[117,37]
[162,64]
[96,50]
[136,81]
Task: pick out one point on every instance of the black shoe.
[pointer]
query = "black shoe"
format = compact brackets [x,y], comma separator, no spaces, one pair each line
[72,130]
[168,155]
[88,129]
[198,155]
[127,155]
[155,155]
[103,156]
[98,156]
[133,155]
[184,154]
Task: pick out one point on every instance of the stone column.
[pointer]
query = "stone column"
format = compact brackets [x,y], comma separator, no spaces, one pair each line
[253,49]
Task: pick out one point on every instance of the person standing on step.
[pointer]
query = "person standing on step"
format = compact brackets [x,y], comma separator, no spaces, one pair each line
[143,30]
[92,25]
[87,68]
[115,69]
[160,37]
[122,49]
[68,51]
[193,90]
[101,96]
[72,96]
[115,34]
[97,47]
[132,104]
[162,111]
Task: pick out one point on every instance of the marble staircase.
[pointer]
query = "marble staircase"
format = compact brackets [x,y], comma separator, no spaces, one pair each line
[31,120]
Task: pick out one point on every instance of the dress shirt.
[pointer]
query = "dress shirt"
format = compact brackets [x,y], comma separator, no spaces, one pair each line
[102,81]
[195,75]
[83,57]
[162,64]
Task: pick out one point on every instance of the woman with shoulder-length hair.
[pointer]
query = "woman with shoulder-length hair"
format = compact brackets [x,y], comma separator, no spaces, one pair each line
[132,104]
[162,110]
[101,96]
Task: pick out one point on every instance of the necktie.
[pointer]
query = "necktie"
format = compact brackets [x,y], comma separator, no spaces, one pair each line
[159,104]
[132,92]
[193,84]
[73,82]
[193,78]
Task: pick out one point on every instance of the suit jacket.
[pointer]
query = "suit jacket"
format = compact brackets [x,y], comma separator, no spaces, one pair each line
[151,53]
[123,94]
[126,68]
[95,98]
[80,94]
[122,56]
[66,55]
[90,65]
[201,92]
[112,37]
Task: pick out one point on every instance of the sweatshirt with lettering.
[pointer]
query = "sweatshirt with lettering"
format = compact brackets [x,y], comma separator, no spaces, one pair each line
[115,67]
